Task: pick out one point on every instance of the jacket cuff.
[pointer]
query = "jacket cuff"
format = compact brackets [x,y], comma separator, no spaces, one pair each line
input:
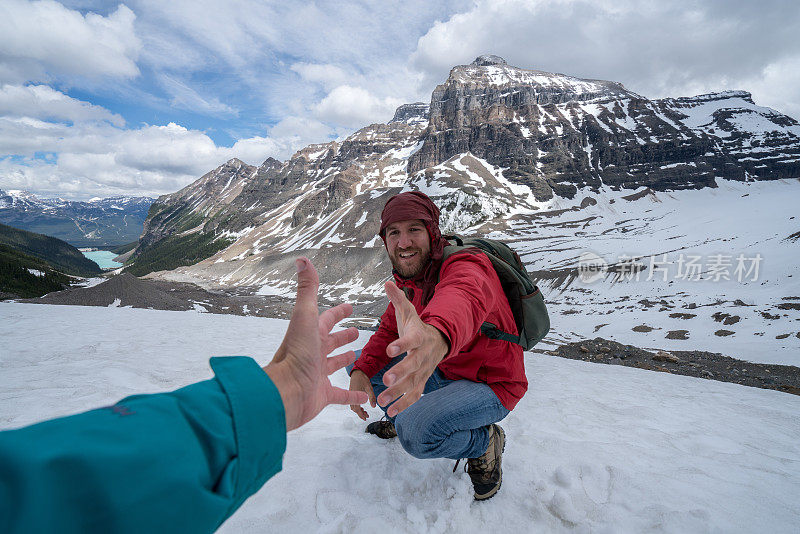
[259,420]
[363,366]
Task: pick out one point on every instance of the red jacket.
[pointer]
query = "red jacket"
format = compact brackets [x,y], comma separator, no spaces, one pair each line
[468,293]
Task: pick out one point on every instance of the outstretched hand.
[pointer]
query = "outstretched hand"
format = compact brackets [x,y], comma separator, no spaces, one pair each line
[301,365]
[425,346]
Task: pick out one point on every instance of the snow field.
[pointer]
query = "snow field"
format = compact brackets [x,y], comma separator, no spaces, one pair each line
[591,448]
[736,218]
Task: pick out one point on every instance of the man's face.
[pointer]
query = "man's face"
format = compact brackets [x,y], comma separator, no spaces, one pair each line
[409,247]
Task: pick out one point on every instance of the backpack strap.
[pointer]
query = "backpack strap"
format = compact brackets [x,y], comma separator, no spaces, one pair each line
[491,331]
[524,298]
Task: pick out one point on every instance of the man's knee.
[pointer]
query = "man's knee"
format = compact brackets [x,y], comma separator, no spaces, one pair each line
[413,435]
[377,382]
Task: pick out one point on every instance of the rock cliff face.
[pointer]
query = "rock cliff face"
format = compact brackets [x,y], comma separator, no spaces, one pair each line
[277,199]
[556,133]
[195,206]
[411,113]
[497,147]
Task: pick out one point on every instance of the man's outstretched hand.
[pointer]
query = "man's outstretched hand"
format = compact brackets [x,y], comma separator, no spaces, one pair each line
[359,381]
[425,346]
[301,365]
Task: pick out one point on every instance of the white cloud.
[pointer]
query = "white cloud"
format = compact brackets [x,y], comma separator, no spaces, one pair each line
[301,73]
[304,130]
[254,150]
[105,179]
[24,136]
[778,86]
[42,39]
[233,31]
[184,97]
[327,75]
[356,107]
[656,49]
[39,177]
[43,102]
[170,149]
[93,157]
[262,45]
[284,139]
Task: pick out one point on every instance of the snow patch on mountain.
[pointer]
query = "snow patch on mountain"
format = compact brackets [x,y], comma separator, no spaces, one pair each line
[737,224]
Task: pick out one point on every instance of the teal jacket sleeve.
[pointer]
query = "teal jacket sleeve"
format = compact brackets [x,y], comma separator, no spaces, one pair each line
[182,461]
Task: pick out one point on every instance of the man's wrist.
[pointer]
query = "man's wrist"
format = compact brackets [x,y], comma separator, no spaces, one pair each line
[354,371]
[291,396]
[441,343]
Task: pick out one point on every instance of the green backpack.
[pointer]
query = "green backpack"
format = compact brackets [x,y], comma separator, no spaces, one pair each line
[525,299]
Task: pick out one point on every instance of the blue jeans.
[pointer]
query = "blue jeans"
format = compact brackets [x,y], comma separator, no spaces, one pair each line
[450,420]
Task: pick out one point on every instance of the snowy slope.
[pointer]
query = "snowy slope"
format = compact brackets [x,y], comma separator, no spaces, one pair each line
[591,448]
[728,311]
[660,230]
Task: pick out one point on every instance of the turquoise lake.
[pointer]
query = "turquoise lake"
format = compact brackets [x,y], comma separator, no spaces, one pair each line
[103,258]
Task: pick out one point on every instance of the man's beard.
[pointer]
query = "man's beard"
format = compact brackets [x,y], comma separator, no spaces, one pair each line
[410,269]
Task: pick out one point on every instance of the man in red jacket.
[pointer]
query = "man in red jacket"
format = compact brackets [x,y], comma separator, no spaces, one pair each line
[442,384]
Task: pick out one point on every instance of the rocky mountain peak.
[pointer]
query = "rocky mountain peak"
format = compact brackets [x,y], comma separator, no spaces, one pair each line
[316,151]
[99,221]
[730,96]
[488,59]
[6,200]
[547,129]
[233,162]
[491,74]
[19,198]
[411,113]
[484,104]
[215,187]
[270,163]
[494,139]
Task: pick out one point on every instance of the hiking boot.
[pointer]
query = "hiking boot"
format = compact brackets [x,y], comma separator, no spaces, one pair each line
[384,429]
[486,471]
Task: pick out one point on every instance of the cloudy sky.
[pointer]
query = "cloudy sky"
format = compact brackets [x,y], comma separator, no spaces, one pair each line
[142,97]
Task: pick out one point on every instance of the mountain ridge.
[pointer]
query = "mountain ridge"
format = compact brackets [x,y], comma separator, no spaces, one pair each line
[496,156]
[98,222]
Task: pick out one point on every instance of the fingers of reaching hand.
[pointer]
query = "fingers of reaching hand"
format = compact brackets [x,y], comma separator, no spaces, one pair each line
[343,396]
[329,318]
[405,391]
[395,294]
[399,300]
[360,412]
[305,311]
[307,283]
[403,308]
[411,339]
[403,379]
[399,346]
[409,398]
[339,339]
[335,363]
